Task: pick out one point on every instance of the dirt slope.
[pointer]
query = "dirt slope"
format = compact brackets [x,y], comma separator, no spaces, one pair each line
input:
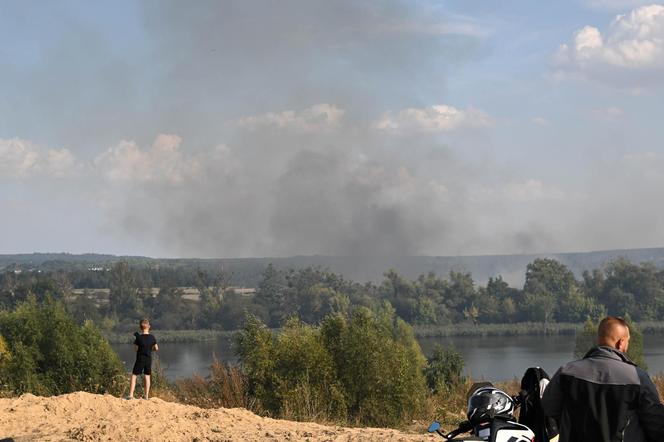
[89,417]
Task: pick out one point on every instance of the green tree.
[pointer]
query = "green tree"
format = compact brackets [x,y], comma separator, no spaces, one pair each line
[272,294]
[538,304]
[548,278]
[401,294]
[123,300]
[368,367]
[460,293]
[51,354]
[379,363]
[633,289]
[443,370]
[256,353]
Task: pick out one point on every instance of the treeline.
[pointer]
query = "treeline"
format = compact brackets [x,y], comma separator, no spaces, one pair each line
[550,294]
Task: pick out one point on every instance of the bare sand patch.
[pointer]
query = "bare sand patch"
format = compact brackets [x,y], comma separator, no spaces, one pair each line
[91,417]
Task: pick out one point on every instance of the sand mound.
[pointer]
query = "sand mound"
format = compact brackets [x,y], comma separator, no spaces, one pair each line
[90,417]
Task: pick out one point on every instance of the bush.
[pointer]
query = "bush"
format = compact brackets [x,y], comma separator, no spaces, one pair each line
[443,370]
[51,354]
[380,365]
[226,386]
[366,369]
[292,374]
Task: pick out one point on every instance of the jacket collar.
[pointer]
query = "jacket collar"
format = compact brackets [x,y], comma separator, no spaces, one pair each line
[602,351]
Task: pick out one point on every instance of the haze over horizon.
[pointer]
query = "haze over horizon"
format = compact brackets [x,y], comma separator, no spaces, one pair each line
[254,128]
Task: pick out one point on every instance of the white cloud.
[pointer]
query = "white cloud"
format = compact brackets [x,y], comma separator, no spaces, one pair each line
[318,117]
[163,162]
[17,157]
[60,162]
[632,43]
[438,118]
[22,158]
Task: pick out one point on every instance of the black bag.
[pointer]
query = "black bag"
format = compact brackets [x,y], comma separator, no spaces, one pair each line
[531,413]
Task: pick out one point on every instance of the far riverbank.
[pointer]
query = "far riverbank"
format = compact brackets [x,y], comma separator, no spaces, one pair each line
[421,331]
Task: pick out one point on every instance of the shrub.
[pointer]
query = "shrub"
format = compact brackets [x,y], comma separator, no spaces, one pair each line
[290,375]
[380,365]
[364,369]
[443,370]
[51,354]
[226,386]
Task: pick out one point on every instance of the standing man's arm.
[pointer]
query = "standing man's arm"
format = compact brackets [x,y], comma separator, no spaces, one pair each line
[552,400]
[651,410]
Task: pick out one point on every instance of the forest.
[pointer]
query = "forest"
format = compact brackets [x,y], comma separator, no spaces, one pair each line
[550,294]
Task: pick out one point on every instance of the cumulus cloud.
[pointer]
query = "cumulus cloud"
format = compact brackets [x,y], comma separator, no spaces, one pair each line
[631,47]
[315,118]
[61,162]
[438,118]
[22,158]
[163,162]
[17,157]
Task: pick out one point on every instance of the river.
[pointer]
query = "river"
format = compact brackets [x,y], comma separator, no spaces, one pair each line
[488,358]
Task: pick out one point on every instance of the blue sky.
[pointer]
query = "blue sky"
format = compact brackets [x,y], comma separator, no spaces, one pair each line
[259,128]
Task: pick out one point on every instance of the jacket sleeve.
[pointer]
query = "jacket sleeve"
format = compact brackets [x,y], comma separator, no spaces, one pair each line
[552,400]
[651,410]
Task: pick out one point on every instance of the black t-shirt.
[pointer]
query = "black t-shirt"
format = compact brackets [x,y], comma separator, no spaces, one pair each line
[145,344]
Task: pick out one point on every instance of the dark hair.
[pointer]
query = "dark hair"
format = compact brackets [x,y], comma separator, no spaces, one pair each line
[143,324]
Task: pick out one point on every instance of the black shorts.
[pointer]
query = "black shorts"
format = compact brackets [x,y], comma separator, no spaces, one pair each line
[142,366]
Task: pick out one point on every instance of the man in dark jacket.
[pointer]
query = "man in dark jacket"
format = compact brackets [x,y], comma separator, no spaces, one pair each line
[605,397]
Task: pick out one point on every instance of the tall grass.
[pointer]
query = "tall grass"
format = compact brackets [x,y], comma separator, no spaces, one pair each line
[226,387]
[172,336]
[479,330]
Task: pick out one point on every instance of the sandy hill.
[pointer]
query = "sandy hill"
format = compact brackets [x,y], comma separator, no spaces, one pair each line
[89,417]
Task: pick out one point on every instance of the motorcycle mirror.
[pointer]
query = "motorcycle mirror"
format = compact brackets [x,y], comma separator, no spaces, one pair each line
[435,426]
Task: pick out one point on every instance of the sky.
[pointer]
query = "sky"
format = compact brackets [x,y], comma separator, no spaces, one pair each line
[365,128]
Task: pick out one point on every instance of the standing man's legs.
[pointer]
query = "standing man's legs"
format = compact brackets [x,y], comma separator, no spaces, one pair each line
[132,386]
[146,386]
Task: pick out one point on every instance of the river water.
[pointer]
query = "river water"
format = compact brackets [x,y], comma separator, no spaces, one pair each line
[487,358]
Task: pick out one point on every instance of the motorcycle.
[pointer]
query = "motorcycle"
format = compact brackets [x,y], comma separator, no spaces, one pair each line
[490,418]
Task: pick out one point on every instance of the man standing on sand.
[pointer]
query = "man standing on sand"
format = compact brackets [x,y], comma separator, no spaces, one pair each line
[143,345]
[605,397]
